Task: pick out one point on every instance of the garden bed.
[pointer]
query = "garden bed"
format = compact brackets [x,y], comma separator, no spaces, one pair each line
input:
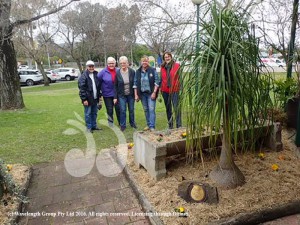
[10,204]
[264,188]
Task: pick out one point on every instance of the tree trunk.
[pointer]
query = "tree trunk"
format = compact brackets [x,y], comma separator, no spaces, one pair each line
[79,65]
[10,90]
[227,175]
[41,68]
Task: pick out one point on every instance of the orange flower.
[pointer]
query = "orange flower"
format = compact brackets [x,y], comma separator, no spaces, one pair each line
[275,167]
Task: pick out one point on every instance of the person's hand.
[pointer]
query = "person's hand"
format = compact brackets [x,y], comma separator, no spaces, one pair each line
[115,101]
[153,96]
[86,103]
[136,98]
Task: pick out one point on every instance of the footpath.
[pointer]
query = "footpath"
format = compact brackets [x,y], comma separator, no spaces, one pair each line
[57,198]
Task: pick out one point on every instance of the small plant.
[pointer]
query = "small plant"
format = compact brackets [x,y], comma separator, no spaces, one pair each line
[284,90]
[7,184]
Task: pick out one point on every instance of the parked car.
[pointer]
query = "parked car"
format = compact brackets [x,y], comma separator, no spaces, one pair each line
[23,67]
[52,76]
[273,62]
[30,77]
[66,73]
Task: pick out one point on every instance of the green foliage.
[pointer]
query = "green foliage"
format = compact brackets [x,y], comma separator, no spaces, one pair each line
[139,51]
[285,89]
[223,89]
[8,185]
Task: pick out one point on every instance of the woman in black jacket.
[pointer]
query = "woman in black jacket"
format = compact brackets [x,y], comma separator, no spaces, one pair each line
[124,92]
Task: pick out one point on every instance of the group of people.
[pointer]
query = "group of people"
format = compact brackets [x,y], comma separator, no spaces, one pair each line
[122,87]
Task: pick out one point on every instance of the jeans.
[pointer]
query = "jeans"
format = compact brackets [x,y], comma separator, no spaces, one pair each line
[109,105]
[149,109]
[172,99]
[90,116]
[122,103]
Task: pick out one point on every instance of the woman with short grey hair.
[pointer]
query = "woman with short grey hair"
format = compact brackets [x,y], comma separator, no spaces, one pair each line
[107,78]
[124,92]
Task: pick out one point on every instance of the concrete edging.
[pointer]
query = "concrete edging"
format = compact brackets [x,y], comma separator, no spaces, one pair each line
[155,220]
[264,215]
[146,205]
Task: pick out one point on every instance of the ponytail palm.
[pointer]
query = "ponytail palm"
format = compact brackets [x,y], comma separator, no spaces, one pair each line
[223,90]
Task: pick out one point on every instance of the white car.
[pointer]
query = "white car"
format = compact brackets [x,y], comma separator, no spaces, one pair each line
[30,77]
[23,67]
[52,76]
[273,62]
[66,73]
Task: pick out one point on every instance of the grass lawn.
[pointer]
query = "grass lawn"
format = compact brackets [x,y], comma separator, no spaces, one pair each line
[36,133]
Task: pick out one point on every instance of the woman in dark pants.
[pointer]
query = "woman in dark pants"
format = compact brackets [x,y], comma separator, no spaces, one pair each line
[124,92]
[107,78]
[170,87]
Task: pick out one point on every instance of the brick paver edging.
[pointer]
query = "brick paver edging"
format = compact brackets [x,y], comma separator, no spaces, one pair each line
[262,216]
[146,205]
[20,205]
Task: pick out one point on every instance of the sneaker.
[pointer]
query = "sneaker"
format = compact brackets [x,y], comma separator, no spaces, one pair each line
[89,130]
[122,128]
[152,129]
[146,128]
[97,128]
[134,126]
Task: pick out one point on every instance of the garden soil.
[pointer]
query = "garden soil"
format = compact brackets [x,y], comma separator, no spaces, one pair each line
[264,188]
[8,204]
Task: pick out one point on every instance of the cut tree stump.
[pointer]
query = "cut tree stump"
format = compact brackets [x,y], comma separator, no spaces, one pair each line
[195,191]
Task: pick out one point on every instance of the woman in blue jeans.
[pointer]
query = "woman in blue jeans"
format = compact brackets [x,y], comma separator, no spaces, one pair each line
[124,92]
[146,84]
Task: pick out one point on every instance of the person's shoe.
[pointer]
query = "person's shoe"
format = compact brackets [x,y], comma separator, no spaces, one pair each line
[89,130]
[122,128]
[146,128]
[97,128]
[134,126]
[152,129]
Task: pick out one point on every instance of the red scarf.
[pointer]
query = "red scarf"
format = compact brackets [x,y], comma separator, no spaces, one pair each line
[113,74]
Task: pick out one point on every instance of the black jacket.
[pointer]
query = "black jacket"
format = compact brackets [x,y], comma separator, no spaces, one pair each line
[119,83]
[85,86]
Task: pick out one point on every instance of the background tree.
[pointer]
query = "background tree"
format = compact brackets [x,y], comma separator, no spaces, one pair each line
[165,26]
[274,23]
[10,91]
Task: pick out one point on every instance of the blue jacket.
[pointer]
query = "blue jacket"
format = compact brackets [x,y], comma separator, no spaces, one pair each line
[85,86]
[106,83]
[152,77]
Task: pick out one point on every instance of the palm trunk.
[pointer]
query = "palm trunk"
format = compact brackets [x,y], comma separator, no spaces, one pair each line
[227,174]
